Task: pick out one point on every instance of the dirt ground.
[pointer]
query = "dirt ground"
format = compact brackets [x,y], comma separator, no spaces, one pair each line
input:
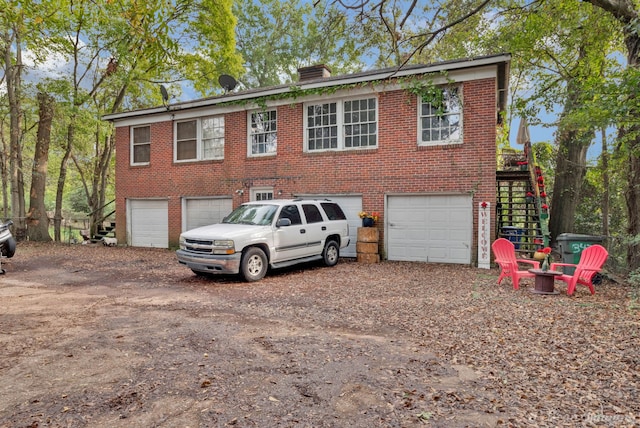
[93,336]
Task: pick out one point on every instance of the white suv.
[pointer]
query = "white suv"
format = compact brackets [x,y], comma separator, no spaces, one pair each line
[275,233]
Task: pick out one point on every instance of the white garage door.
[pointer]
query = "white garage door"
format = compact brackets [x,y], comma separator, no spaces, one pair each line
[204,211]
[433,228]
[148,223]
[351,205]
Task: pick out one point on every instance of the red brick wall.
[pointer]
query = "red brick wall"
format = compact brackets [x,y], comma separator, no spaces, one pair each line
[398,165]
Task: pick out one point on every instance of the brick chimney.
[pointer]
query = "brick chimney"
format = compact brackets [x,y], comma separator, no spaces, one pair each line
[318,71]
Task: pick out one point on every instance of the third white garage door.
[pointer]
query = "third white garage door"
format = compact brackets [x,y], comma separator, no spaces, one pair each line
[429,228]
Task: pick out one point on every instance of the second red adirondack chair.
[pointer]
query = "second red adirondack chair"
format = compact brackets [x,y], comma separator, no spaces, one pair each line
[591,261]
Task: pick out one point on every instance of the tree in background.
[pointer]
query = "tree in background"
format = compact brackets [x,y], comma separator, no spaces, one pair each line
[37,219]
[275,38]
[113,56]
[627,14]
[409,31]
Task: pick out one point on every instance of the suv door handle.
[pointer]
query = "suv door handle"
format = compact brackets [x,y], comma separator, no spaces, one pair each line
[303,231]
[324,227]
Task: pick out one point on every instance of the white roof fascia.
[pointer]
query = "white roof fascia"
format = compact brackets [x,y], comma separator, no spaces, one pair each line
[347,80]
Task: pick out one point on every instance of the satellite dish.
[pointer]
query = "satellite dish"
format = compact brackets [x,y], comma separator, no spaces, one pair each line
[227,82]
[165,96]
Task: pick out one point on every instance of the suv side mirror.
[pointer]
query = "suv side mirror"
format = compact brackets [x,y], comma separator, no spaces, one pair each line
[283,222]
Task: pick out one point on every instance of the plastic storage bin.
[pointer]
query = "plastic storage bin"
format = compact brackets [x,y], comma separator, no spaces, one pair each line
[513,234]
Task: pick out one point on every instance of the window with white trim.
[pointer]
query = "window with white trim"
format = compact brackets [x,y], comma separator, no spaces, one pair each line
[213,137]
[262,194]
[360,124]
[140,145]
[263,133]
[199,139]
[322,127]
[341,125]
[441,120]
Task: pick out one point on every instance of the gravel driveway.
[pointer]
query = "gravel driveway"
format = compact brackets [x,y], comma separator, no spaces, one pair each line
[122,337]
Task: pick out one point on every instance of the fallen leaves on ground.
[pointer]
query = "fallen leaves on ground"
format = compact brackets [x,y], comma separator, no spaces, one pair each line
[485,354]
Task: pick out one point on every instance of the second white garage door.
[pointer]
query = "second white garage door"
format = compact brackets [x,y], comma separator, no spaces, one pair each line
[205,211]
[429,228]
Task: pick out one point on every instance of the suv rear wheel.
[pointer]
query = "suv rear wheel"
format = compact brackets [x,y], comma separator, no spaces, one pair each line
[253,265]
[331,253]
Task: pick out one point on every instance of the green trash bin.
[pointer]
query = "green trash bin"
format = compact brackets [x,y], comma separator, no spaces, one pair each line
[571,246]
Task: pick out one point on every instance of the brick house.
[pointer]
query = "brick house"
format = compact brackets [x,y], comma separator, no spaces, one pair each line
[369,140]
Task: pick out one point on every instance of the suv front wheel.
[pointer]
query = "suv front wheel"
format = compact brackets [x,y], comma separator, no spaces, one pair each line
[331,253]
[253,265]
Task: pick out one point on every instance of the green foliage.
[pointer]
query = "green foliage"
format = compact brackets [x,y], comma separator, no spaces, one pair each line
[589,213]
[427,91]
[545,155]
[277,37]
[502,134]
[77,200]
[210,28]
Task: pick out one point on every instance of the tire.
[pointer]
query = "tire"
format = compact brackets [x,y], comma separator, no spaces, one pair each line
[8,247]
[253,266]
[331,253]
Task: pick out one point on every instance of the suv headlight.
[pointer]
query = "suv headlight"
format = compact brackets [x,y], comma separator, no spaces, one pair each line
[223,246]
[182,243]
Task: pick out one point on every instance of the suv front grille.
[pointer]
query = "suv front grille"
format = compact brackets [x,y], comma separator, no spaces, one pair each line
[199,246]
[199,242]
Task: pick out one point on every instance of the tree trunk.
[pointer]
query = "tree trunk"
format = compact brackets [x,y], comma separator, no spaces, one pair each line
[605,185]
[62,177]
[4,172]
[37,219]
[571,167]
[626,12]
[13,81]
[101,173]
[632,195]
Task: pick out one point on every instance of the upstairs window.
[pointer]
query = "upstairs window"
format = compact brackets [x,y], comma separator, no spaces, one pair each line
[441,119]
[213,138]
[360,124]
[344,125]
[187,140]
[200,139]
[140,145]
[263,133]
[322,126]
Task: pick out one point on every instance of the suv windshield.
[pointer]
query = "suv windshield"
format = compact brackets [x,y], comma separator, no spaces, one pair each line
[252,214]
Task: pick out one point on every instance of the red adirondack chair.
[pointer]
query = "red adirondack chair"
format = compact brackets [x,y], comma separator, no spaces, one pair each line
[505,255]
[591,261]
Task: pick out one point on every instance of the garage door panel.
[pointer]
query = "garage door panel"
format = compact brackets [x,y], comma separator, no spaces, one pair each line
[433,228]
[149,223]
[438,235]
[206,211]
[438,254]
[457,235]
